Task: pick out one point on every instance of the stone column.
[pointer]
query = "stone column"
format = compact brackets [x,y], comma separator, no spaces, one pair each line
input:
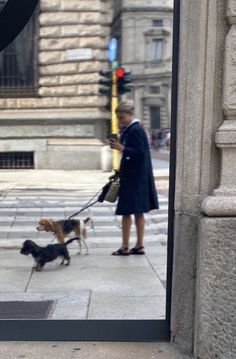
[215,319]
[223,201]
[202,39]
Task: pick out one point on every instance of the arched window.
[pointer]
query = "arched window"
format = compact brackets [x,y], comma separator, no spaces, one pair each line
[18,62]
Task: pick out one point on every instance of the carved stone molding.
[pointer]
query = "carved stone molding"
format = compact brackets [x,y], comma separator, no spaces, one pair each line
[231,11]
[223,200]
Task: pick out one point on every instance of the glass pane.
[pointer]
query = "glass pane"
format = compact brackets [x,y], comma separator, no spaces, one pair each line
[52,150]
[157,48]
[157,23]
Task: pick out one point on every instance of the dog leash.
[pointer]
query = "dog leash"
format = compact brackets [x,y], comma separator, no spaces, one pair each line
[87,205]
[100,198]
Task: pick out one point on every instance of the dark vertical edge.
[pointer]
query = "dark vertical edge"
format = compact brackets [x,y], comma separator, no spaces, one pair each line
[174,110]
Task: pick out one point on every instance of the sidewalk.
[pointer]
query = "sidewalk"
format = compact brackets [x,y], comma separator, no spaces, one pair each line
[89,350]
[98,286]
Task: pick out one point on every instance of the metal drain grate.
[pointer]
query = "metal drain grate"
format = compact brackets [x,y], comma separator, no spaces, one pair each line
[25,310]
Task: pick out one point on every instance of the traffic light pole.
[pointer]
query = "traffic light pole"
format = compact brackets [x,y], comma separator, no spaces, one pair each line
[115,84]
[114,122]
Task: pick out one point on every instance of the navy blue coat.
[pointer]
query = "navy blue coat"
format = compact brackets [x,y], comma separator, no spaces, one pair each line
[137,192]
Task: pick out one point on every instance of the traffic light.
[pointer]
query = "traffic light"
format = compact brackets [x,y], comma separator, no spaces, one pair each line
[106,81]
[123,79]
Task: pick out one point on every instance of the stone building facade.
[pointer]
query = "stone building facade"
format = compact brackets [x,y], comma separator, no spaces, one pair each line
[144,33]
[204,275]
[62,121]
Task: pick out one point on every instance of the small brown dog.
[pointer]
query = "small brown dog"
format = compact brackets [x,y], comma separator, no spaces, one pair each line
[64,227]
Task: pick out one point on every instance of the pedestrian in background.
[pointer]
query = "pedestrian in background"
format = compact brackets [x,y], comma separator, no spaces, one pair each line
[137,194]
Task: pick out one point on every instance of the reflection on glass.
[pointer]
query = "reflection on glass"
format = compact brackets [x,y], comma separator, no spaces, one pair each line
[97,285]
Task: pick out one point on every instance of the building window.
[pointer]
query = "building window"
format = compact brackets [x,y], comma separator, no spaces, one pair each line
[157,49]
[155,89]
[155,117]
[16,160]
[18,63]
[157,23]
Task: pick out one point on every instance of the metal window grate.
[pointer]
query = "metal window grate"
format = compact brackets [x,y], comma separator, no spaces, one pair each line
[16,160]
[25,310]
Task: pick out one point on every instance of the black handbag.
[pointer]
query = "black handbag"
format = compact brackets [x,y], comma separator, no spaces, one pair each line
[110,191]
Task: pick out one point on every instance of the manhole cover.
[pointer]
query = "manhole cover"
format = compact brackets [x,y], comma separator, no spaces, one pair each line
[25,310]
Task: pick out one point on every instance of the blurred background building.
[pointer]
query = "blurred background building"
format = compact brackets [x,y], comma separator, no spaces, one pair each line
[52,115]
[144,33]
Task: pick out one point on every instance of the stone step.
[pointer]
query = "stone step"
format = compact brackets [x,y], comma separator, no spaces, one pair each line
[101,230]
[16,243]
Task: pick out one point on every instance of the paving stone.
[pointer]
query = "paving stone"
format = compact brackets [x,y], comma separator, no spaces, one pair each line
[127,307]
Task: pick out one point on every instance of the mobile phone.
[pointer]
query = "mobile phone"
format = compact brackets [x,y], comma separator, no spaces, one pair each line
[113,136]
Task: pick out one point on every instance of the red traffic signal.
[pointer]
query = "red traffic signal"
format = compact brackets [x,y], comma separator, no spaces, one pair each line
[123,79]
[120,72]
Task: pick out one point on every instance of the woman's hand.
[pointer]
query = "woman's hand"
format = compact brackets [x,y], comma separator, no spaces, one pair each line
[116,145]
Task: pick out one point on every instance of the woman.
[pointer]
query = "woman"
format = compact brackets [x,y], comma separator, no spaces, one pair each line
[137,194]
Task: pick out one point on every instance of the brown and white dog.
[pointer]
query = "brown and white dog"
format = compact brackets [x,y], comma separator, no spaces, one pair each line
[64,227]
